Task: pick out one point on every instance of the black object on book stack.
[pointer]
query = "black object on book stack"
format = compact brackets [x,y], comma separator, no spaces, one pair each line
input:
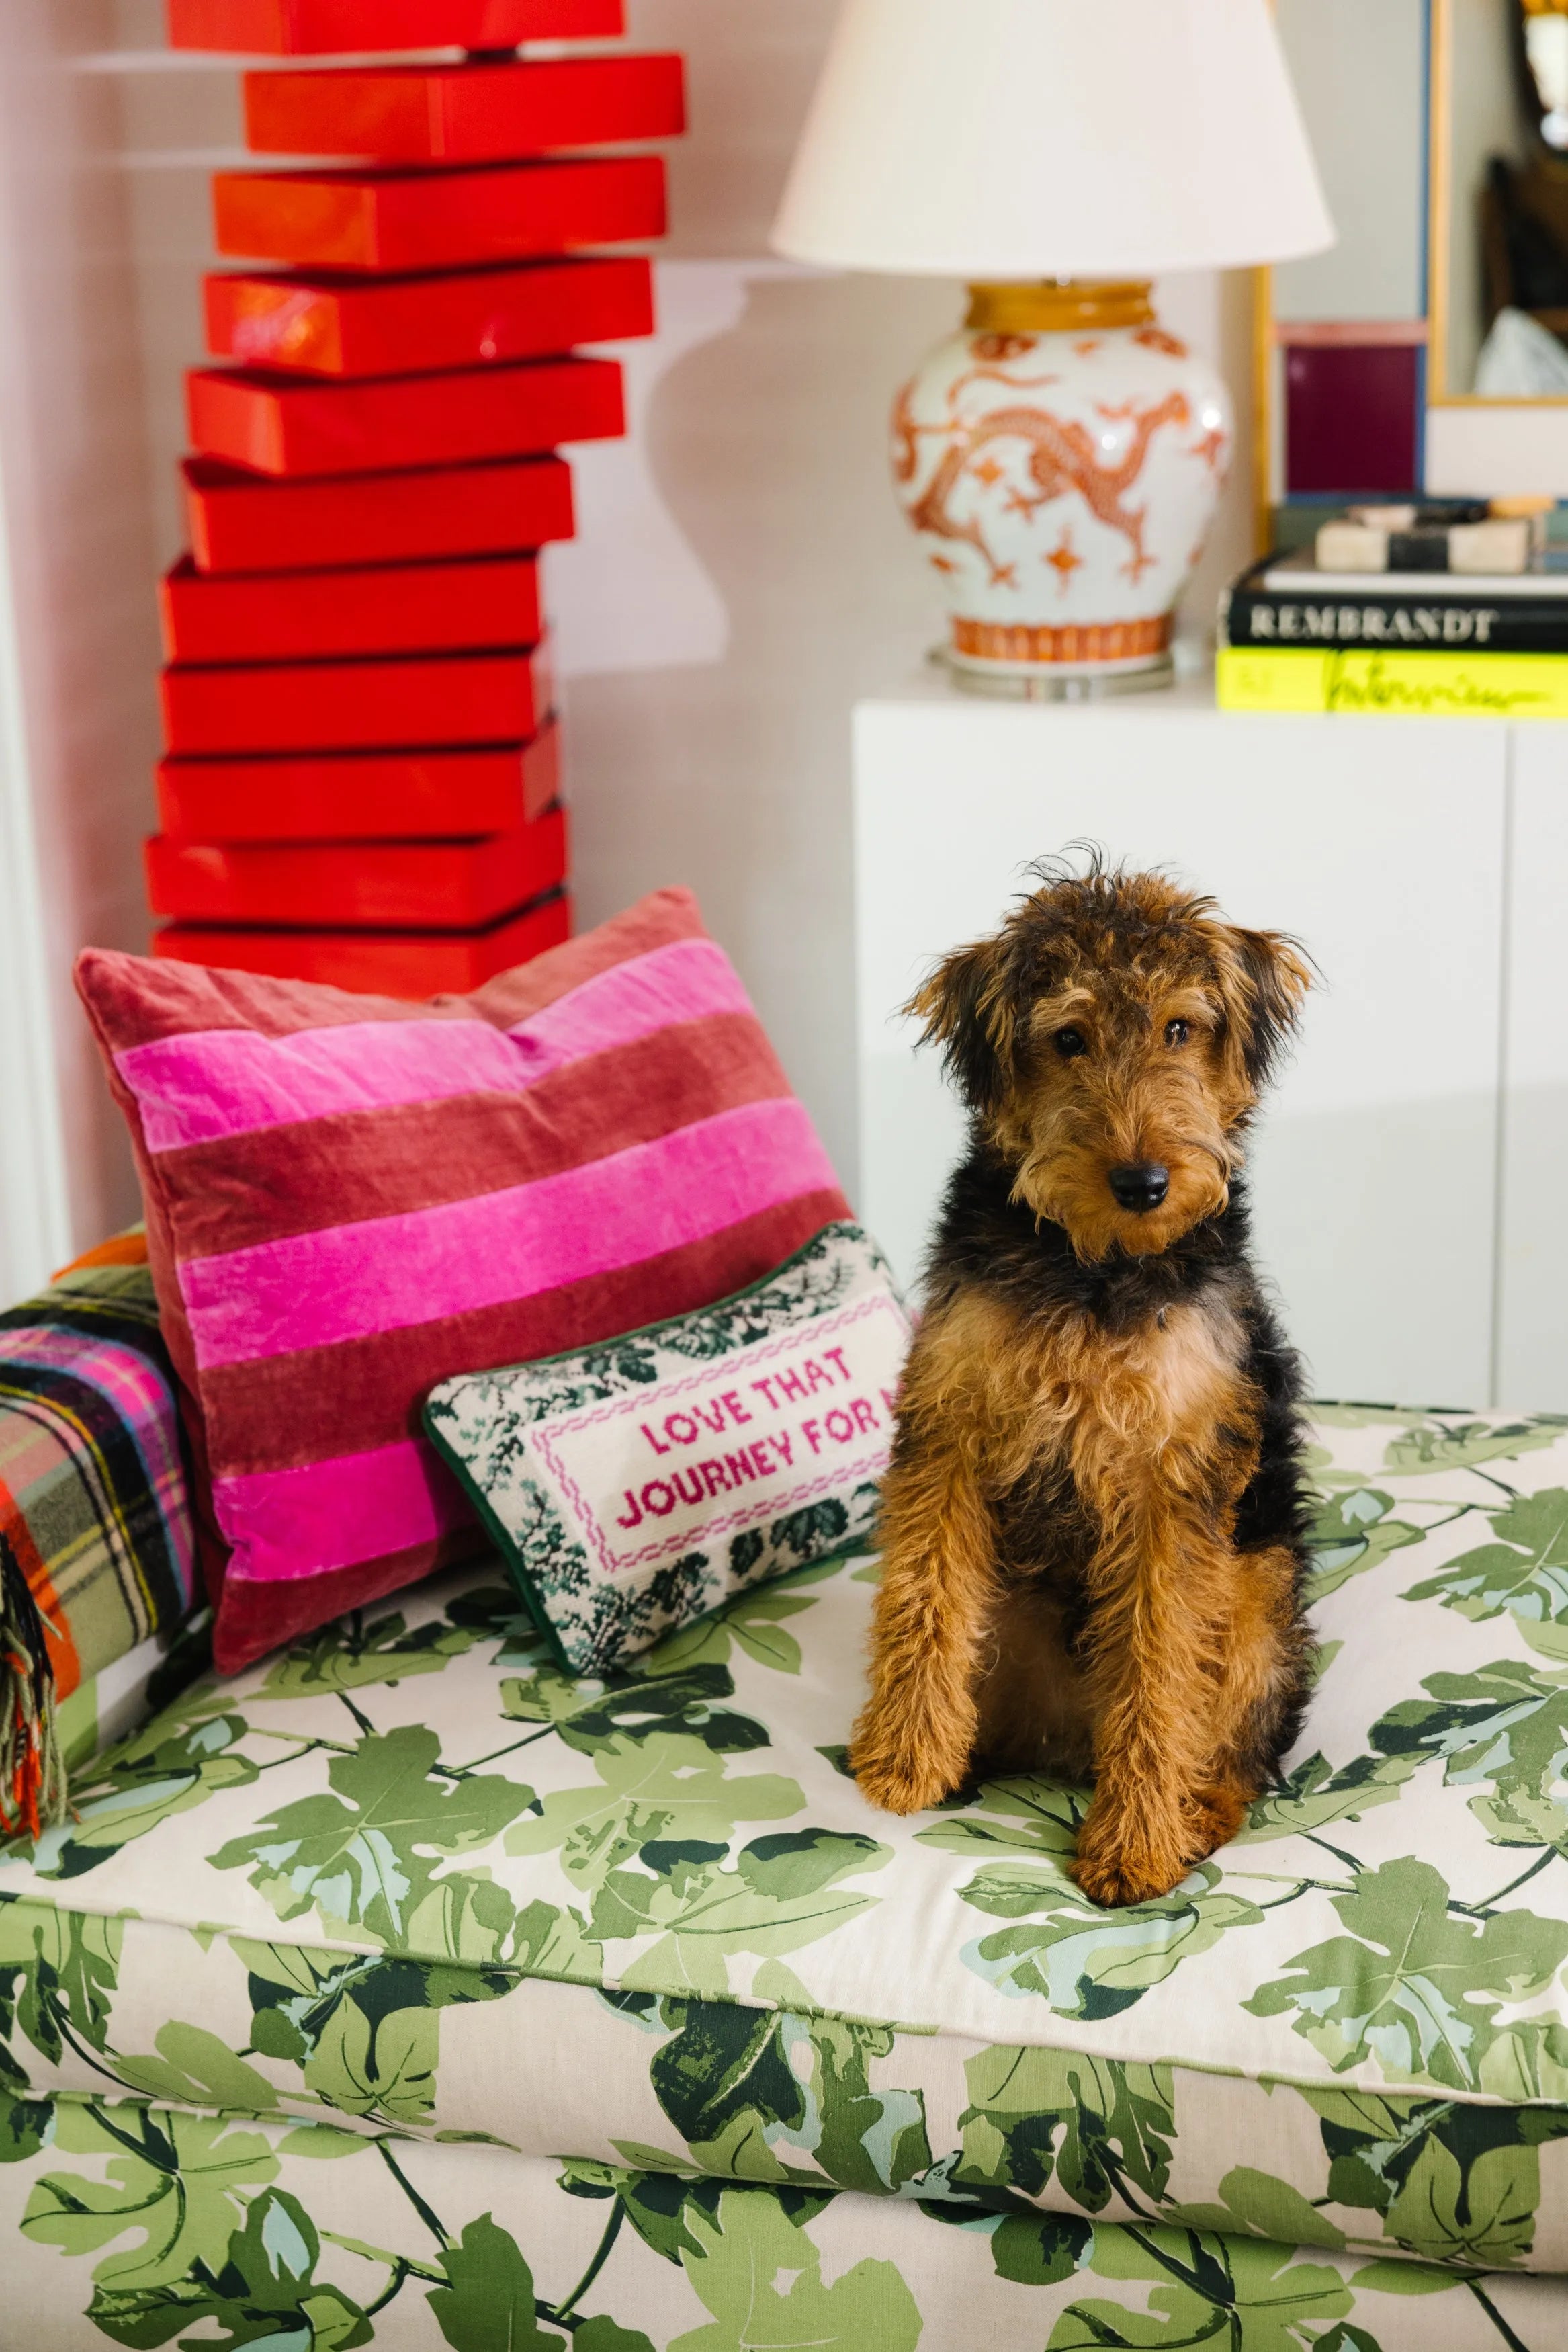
[1465,535]
[1453,608]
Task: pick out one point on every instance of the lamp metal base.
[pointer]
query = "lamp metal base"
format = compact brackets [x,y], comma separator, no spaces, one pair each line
[1048,686]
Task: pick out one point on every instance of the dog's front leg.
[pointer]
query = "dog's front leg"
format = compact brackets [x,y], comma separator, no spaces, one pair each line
[914,1741]
[1164,1584]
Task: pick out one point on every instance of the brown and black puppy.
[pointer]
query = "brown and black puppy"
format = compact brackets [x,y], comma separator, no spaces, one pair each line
[1093,1521]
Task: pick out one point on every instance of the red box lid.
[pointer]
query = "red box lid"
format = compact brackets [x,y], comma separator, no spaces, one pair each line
[324,325]
[318,27]
[431,795]
[344,706]
[357,885]
[434,220]
[242,521]
[491,600]
[467,113]
[379,963]
[280,425]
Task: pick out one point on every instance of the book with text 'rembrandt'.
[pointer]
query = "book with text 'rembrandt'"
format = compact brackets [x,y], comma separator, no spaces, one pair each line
[1286,602]
[1363,681]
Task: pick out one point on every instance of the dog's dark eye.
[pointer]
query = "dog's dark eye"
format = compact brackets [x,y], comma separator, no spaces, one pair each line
[1070,1044]
[1177,1032]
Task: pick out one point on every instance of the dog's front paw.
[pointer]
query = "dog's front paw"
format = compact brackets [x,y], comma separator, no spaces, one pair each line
[1216,1814]
[1115,1866]
[898,1789]
[896,1779]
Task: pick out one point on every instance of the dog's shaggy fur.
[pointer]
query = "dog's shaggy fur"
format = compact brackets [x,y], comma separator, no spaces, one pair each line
[1093,1521]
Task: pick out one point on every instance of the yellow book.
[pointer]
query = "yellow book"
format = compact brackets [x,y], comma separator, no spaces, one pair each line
[1398,685]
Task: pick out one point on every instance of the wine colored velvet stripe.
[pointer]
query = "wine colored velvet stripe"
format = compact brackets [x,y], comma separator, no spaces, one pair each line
[345,1281]
[221,1082]
[243,1190]
[284,1410]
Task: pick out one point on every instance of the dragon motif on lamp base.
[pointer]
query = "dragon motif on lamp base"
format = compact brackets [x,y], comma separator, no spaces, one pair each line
[1061,459]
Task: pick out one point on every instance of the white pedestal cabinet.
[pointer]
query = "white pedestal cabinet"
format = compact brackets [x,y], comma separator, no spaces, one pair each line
[1410,1174]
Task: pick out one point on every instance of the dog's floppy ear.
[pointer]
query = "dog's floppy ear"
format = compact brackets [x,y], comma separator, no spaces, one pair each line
[1263,977]
[966,1010]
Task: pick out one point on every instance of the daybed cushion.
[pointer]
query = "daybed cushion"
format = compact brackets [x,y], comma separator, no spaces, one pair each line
[410,1876]
[226,2232]
[349,1198]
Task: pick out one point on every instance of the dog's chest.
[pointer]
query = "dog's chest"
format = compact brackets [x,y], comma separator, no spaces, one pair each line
[1095,1419]
[1082,1403]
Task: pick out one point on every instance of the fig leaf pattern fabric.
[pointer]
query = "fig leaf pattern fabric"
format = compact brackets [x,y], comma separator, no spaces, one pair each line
[409,1989]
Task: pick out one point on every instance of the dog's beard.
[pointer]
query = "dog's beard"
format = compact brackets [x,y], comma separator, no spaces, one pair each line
[1062,1175]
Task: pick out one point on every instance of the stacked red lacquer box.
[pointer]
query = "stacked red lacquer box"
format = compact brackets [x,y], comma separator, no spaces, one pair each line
[362,755]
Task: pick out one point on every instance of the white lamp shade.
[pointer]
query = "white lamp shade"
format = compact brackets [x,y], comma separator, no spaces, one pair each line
[1023,139]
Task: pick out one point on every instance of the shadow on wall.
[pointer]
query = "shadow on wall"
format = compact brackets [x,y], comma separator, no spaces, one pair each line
[81,577]
[727,765]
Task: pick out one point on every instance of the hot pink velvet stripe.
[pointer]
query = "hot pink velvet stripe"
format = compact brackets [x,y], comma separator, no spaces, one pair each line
[293,1523]
[212,1083]
[688,980]
[384,1274]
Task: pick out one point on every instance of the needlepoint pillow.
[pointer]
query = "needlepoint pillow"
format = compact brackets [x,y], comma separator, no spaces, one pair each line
[632,1486]
[349,1198]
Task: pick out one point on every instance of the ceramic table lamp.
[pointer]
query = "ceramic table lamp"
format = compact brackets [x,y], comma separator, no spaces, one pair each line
[1062,456]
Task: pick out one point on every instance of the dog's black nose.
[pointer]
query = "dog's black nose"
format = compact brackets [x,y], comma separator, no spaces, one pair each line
[1141,1188]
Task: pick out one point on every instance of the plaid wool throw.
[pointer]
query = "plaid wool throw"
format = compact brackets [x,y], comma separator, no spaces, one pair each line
[96,1548]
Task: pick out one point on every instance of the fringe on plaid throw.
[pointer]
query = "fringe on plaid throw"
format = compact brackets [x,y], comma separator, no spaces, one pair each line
[32,1768]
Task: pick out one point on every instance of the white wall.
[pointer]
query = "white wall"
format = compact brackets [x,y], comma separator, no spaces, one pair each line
[179,121]
[78,635]
[742,576]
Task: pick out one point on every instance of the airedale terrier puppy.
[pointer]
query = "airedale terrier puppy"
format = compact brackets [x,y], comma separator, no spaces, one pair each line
[1092,1520]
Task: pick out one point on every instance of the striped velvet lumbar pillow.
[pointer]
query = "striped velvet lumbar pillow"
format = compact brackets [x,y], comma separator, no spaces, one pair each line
[351,1198]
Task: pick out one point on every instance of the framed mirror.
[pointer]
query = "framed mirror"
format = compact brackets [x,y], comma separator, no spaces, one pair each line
[1498,341]
[1428,351]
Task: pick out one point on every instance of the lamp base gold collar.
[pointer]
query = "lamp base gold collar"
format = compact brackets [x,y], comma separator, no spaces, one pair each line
[1058,305]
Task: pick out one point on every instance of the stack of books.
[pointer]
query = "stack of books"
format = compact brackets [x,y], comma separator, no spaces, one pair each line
[362,764]
[1453,611]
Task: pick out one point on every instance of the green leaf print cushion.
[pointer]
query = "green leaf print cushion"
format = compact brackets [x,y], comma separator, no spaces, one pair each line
[405,1985]
[633,1487]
